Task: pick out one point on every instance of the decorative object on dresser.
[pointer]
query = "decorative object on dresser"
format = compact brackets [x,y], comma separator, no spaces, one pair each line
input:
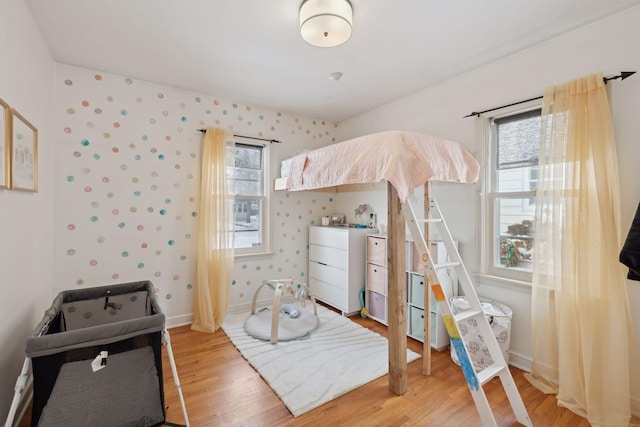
[336,266]
[376,289]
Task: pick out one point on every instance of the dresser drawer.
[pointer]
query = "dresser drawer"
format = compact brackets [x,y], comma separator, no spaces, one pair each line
[329,274]
[416,289]
[377,250]
[416,317]
[415,328]
[332,295]
[329,256]
[377,305]
[377,278]
[326,236]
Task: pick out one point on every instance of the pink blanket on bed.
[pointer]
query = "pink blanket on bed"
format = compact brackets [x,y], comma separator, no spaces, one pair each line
[405,159]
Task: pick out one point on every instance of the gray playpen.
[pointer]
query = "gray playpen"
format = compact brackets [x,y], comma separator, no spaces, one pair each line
[96,360]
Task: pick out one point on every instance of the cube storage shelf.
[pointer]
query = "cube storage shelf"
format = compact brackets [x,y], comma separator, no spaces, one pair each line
[377,291]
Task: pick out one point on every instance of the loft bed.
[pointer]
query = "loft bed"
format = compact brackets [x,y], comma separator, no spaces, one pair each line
[405,161]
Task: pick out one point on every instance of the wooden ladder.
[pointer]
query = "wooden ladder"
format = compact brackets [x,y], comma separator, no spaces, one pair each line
[475,380]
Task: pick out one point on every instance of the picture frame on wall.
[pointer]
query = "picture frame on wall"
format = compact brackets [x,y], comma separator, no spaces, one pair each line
[5,145]
[24,154]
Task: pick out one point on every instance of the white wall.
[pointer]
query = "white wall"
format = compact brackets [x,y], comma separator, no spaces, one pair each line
[610,46]
[26,71]
[127,178]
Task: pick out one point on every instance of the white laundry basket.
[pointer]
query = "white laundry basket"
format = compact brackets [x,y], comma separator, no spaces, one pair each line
[499,316]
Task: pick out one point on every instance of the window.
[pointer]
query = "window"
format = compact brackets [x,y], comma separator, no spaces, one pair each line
[248,180]
[510,195]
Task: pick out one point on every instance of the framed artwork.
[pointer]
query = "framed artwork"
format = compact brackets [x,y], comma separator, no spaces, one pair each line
[24,154]
[5,145]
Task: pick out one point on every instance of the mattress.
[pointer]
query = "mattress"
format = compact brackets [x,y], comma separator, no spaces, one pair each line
[124,393]
[285,165]
[405,159]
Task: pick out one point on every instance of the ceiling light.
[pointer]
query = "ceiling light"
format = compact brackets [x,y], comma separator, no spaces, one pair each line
[326,23]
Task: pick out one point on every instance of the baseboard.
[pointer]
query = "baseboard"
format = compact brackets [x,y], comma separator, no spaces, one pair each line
[187,319]
[175,321]
[520,361]
[525,363]
[25,401]
[265,302]
[244,307]
[635,406]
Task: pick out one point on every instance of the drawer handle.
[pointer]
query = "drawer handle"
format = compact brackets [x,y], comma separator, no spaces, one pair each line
[375,271]
[321,263]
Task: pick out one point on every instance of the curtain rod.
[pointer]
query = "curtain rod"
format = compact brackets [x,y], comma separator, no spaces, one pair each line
[249,137]
[623,75]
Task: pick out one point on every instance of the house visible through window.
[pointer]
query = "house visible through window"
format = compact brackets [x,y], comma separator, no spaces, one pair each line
[247,182]
[511,195]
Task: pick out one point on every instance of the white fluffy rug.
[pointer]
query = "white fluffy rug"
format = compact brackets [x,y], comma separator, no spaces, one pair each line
[338,357]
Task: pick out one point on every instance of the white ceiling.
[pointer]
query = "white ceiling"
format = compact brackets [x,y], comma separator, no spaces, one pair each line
[251,50]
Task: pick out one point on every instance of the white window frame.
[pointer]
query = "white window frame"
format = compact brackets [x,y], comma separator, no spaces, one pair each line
[489,204]
[265,247]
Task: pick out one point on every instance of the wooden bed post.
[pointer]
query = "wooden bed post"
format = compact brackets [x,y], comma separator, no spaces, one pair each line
[426,347]
[397,294]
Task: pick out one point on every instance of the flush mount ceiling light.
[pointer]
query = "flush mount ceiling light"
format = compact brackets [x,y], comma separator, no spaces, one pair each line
[325,23]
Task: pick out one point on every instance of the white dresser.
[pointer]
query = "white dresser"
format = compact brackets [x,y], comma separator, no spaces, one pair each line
[336,266]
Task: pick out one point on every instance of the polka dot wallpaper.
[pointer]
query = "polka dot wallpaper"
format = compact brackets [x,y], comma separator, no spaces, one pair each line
[126,194]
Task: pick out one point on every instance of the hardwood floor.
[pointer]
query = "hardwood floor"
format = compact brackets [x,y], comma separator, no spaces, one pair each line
[220,388]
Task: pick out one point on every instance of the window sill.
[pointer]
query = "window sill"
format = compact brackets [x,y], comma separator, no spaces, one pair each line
[252,256]
[503,282]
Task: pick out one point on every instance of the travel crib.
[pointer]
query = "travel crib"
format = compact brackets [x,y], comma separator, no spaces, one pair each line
[97,359]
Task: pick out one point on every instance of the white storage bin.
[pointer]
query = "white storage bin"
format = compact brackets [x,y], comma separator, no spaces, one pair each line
[377,305]
[499,316]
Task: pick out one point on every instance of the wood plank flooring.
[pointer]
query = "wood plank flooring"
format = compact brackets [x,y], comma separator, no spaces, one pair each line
[221,389]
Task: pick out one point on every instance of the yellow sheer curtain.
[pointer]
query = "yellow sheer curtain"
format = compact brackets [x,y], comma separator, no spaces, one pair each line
[580,311]
[215,235]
